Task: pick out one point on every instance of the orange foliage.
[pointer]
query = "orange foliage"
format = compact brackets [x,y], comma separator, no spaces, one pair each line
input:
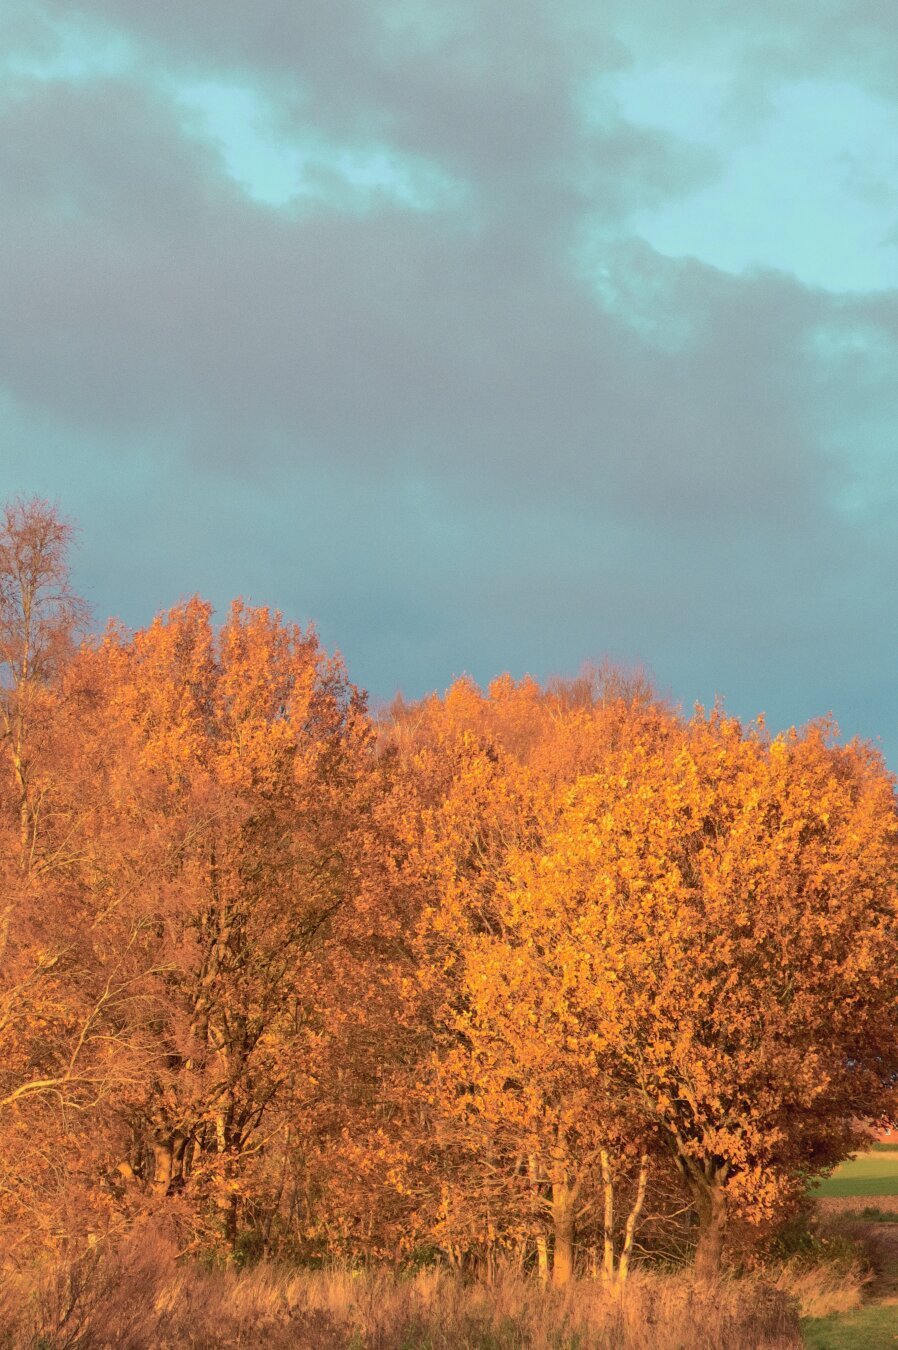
[718,912]
[479,977]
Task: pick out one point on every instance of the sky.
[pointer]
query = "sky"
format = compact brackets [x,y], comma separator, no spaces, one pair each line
[487,337]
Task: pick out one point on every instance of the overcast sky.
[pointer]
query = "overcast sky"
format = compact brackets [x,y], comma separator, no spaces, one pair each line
[488,335]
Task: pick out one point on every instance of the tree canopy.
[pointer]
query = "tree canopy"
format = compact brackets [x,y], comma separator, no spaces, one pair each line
[520,970]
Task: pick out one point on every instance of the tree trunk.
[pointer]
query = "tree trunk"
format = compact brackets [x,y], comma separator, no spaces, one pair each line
[608,1187]
[542,1246]
[25,840]
[623,1268]
[179,1151]
[168,1161]
[230,1221]
[710,1202]
[163,1164]
[563,1223]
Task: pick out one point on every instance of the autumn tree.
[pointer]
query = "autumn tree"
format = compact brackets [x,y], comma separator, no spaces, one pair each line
[727,902]
[232,810]
[518,1113]
[58,1049]
[630,932]
[39,618]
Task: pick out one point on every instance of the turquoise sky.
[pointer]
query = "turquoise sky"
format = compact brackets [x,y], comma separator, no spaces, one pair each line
[488,337]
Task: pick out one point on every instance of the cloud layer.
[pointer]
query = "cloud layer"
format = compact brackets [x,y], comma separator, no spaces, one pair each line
[403,317]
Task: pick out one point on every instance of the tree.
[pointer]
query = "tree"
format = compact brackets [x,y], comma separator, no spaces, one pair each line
[236,781]
[59,1046]
[520,1110]
[728,902]
[39,619]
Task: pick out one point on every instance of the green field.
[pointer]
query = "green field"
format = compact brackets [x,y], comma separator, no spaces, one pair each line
[874,1173]
[868,1329]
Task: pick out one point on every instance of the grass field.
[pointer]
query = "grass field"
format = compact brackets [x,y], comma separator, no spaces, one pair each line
[871,1328]
[873,1173]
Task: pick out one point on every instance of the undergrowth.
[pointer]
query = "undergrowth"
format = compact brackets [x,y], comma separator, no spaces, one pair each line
[139,1296]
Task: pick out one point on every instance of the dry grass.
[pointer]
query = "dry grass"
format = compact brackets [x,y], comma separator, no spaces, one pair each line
[140,1298]
[824,1289]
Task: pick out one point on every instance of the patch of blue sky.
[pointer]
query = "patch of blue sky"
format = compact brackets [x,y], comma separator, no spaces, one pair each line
[809,183]
[277,168]
[861,447]
[863,482]
[69,51]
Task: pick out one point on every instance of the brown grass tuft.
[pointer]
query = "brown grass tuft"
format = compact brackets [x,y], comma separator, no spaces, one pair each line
[824,1289]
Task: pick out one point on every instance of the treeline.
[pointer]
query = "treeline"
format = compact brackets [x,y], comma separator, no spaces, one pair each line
[553,972]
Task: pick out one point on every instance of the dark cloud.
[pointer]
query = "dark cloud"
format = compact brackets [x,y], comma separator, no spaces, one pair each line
[146,286]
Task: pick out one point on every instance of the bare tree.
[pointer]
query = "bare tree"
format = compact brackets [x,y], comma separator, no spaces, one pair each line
[39,618]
